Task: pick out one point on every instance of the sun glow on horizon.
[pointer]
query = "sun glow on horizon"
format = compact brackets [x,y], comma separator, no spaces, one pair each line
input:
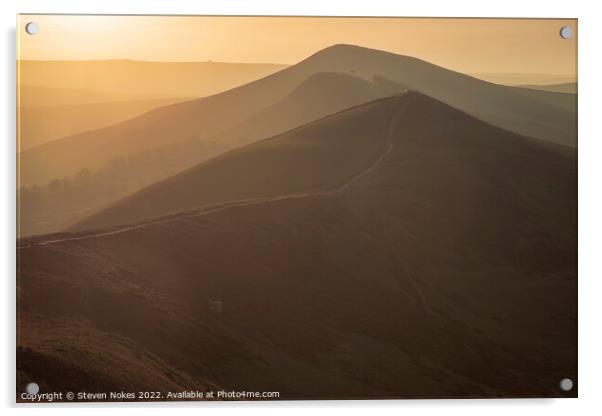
[466,45]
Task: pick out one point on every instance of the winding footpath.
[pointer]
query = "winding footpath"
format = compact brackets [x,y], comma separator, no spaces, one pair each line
[211,209]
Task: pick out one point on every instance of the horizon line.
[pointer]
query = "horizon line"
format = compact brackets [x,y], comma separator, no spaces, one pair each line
[574,76]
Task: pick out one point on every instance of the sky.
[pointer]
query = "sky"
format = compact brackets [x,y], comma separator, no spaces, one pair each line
[531,46]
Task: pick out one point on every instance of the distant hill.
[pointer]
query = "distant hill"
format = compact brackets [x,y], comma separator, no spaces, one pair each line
[518,79]
[40,96]
[316,157]
[40,124]
[560,100]
[567,87]
[321,94]
[150,79]
[288,163]
[511,108]
[60,203]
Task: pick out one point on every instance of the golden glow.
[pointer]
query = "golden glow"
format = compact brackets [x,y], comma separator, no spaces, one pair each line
[466,45]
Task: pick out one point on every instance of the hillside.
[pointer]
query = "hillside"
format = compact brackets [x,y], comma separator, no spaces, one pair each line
[143,78]
[566,87]
[315,157]
[321,94]
[440,265]
[39,124]
[63,202]
[507,107]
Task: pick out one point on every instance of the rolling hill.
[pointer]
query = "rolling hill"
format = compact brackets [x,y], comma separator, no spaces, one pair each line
[414,251]
[315,157]
[512,108]
[143,78]
[63,202]
[36,95]
[562,101]
[566,87]
[520,79]
[320,95]
[39,124]
[62,98]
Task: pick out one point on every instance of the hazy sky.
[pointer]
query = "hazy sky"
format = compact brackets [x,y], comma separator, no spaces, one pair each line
[466,45]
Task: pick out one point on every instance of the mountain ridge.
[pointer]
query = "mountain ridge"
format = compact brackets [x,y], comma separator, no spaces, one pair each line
[165,190]
[215,114]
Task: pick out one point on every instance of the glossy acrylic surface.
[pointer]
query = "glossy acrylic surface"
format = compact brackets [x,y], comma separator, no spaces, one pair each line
[283,208]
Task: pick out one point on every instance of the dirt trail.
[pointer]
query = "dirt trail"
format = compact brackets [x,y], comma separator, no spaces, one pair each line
[210,209]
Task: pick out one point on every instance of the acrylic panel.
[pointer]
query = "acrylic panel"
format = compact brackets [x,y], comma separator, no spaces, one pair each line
[295,208]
